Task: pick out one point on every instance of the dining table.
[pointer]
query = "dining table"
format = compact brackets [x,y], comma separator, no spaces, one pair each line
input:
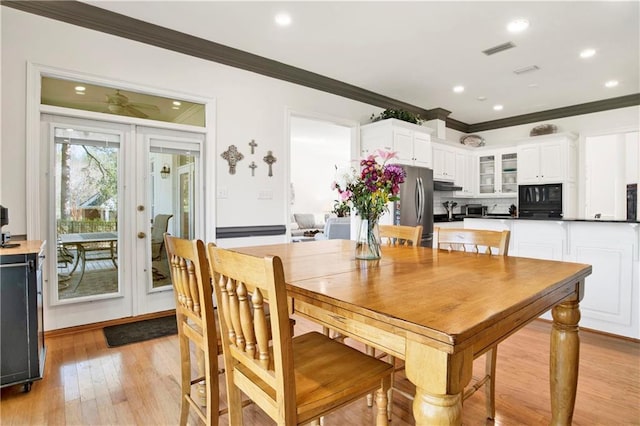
[438,310]
[87,242]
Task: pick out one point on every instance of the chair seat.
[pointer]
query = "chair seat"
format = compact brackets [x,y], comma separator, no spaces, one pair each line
[328,380]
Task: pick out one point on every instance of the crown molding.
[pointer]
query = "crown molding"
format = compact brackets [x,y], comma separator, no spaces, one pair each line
[95,18]
[553,114]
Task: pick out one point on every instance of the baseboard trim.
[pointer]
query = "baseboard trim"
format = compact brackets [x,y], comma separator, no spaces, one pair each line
[103,324]
[594,331]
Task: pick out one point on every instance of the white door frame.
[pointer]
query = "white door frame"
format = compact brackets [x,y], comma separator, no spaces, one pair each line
[37,169]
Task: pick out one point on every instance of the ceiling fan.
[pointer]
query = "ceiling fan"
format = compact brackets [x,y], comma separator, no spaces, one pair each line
[117,103]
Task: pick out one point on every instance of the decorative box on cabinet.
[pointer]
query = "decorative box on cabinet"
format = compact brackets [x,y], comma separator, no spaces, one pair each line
[22,350]
[411,142]
[548,159]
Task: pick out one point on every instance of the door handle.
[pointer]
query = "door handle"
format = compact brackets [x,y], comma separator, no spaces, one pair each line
[142,235]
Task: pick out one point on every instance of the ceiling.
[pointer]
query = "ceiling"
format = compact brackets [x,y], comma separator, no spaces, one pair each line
[416,52]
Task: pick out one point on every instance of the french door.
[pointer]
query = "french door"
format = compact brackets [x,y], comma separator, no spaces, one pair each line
[114,190]
[169,201]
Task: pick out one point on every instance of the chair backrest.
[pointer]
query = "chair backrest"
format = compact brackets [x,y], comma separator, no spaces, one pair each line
[195,316]
[338,228]
[496,242]
[160,226]
[243,285]
[401,235]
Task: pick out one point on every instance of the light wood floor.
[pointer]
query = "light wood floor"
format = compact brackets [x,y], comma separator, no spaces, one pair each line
[87,383]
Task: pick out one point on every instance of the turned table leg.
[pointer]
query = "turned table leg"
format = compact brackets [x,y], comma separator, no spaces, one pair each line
[565,354]
[440,378]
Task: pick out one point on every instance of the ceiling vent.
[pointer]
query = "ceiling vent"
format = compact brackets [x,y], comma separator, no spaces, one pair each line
[499,48]
[525,70]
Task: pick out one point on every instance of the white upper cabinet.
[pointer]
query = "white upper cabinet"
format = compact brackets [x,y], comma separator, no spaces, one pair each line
[498,173]
[548,159]
[411,142]
[465,175]
[444,162]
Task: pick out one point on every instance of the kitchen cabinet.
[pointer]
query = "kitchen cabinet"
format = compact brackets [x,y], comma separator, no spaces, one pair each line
[498,174]
[411,142]
[548,159]
[22,350]
[465,175]
[444,162]
[611,303]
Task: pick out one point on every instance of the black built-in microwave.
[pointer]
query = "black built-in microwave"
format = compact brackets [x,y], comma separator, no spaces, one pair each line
[540,200]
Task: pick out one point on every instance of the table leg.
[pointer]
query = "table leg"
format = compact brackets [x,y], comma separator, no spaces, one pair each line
[565,354]
[440,378]
[82,255]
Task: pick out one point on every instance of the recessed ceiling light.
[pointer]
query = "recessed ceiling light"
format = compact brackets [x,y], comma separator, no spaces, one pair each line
[283,19]
[177,103]
[498,107]
[481,98]
[517,25]
[587,53]
[611,83]
[79,88]
[533,85]
[458,89]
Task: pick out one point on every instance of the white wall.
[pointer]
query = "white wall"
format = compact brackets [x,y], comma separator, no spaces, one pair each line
[316,148]
[249,106]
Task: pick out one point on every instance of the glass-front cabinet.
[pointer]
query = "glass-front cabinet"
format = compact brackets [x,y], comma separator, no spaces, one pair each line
[509,173]
[498,173]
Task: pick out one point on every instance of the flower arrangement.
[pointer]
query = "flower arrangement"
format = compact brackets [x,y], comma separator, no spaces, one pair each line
[369,191]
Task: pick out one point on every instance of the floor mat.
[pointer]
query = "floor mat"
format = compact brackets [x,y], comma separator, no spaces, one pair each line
[123,334]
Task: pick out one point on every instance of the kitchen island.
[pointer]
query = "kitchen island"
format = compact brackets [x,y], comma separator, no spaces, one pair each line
[612,300]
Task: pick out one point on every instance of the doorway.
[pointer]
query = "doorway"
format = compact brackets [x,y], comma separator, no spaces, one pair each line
[317,147]
[115,190]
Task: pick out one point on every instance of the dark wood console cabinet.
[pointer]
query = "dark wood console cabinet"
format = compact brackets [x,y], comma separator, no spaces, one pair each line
[22,350]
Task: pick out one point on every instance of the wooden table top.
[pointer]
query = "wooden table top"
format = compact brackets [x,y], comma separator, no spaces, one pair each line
[447,296]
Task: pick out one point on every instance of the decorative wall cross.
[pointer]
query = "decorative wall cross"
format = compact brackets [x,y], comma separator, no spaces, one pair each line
[253,167]
[270,159]
[253,145]
[232,156]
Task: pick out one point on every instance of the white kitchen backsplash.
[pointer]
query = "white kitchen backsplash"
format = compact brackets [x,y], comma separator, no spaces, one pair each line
[495,205]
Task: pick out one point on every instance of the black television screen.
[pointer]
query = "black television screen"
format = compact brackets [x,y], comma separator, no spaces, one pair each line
[4,216]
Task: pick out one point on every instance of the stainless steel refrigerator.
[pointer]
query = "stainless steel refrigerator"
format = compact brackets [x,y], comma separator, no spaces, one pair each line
[416,202]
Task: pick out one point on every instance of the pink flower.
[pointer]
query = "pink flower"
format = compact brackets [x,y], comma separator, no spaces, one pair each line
[345,195]
[386,155]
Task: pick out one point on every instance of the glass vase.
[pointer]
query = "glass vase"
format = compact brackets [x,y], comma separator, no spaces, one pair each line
[368,241]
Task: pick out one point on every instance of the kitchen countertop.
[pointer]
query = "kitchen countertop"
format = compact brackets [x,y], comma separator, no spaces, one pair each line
[24,247]
[553,219]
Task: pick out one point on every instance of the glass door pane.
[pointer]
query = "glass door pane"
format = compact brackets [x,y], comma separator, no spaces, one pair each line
[86,168]
[487,174]
[172,194]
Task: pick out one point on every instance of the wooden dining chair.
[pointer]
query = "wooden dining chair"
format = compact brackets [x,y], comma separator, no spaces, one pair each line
[400,235]
[195,316]
[491,243]
[294,380]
